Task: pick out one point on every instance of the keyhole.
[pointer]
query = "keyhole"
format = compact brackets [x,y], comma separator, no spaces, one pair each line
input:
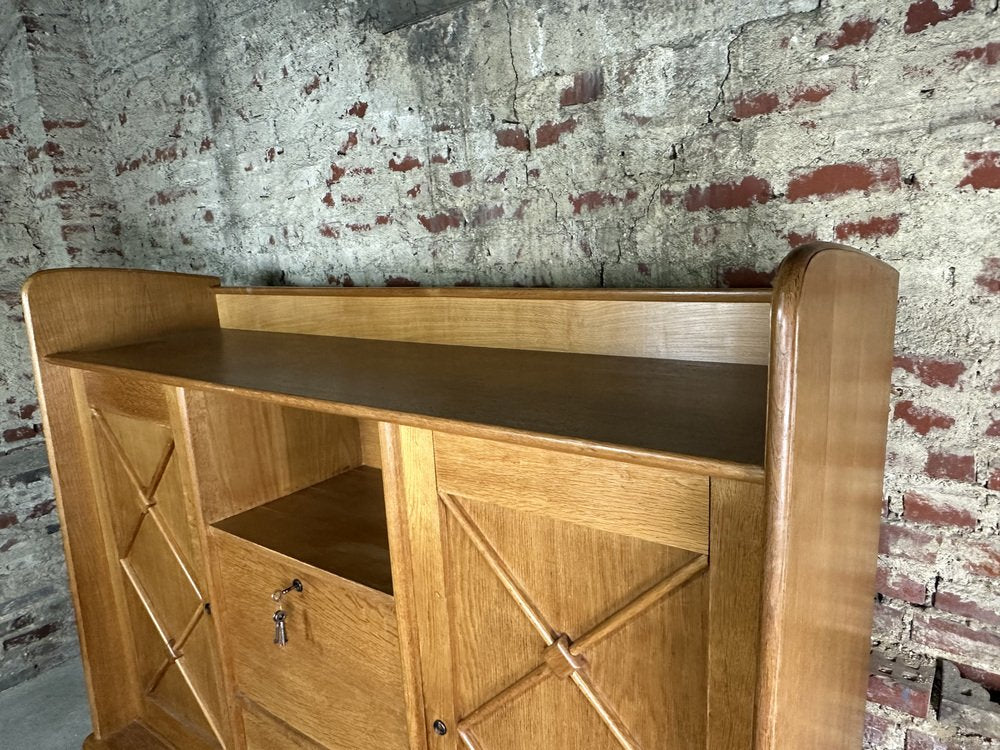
[440,727]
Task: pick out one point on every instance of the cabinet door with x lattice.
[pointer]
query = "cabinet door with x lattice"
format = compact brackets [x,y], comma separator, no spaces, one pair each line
[559,600]
[156,543]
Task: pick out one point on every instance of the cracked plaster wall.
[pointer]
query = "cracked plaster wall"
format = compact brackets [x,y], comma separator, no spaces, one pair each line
[638,143]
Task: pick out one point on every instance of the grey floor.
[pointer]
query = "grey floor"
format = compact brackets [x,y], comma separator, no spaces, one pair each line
[49,712]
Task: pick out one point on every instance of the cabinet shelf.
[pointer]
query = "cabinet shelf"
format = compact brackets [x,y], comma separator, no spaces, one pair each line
[708,410]
[337,525]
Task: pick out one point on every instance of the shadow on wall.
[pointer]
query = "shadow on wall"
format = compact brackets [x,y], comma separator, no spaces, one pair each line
[390,15]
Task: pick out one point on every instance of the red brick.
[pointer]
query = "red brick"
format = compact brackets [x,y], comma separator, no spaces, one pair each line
[31,636]
[985,170]
[954,466]
[405,164]
[916,740]
[981,558]
[549,133]
[400,281]
[335,174]
[17,434]
[988,54]
[877,226]
[837,179]
[442,221]
[42,509]
[51,125]
[6,131]
[930,370]
[809,95]
[993,483]
[587,87]
[969,645]
[327,231]
[986,611]
[458,179]
[876,730]
[514,138]
[994,429]
[7,520]
[796,240]
[988,680]
[912,698]
[595,199]
[382,219]
[27,411]
[328,199]
[926,13]
[351,142]
[899,586]
[746,278]
[358,109]
[311,86]
[746,105]
[937,510]
[922,419]
[440,158]
[900,540]
[165,197]
[720,196]
[989,279]
[850,33]
[62,187]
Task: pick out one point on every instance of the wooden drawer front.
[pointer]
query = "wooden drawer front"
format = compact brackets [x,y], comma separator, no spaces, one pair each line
[638,501]
[338,680]
[264,732]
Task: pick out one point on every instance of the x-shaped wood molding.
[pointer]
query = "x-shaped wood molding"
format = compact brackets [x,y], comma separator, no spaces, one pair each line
[561,657]
[146,498]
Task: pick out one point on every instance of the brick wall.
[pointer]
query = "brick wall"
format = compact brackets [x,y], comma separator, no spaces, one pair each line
[638,143]
[36,622]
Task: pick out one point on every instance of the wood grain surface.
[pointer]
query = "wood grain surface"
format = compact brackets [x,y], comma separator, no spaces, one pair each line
[84,309]
[637,501]
[706,410]
[338,679]
[337,525]
[249,451]
[734,610]
[831,358]
[721,326]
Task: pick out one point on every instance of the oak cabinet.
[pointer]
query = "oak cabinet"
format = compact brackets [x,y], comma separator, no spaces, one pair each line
[470,518]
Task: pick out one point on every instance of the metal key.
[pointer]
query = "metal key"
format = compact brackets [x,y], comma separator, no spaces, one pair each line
[280,633]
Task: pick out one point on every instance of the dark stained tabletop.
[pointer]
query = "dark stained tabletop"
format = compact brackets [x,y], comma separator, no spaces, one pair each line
[702,409]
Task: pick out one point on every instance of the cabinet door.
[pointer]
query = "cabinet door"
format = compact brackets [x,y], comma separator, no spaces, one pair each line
[552,600]
[155,541]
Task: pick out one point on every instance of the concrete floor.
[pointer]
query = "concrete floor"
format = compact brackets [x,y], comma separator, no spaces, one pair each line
[49,712]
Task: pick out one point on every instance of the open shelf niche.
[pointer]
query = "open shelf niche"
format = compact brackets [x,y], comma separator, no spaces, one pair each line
[337,525]
[301,483]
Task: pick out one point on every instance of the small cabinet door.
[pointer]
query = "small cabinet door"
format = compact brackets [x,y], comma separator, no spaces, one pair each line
[558,600]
